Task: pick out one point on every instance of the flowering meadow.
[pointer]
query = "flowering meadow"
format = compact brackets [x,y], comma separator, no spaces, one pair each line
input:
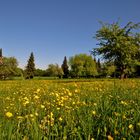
[70,110]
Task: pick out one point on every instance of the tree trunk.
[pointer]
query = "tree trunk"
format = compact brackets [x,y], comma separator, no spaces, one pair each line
[123,73]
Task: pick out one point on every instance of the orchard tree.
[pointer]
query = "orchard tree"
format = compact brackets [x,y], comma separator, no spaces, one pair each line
[82,65]
[30,68]
[120,45]
[65,68]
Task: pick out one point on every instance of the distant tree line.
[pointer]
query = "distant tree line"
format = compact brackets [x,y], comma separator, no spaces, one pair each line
[118,55]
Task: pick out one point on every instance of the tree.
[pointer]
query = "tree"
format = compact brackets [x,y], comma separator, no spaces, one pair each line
[30,68]
[1,56]
[119,45]
[40,72]
[8,68]
[65,68]
[82,65]
[54,70]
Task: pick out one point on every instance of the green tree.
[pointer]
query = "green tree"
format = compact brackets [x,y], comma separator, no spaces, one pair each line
[40,72]
[30,68]
[82,65]
[120,45]
[0,52]
[1,56]
[65,68]
[54,70]
[8,68]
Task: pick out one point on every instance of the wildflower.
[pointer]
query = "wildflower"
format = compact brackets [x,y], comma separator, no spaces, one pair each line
[36,114]
[124,117]
[38,90]
[109,137]
[76,90]
[42,106]
[130,126]
[124,103]
[95,104]
[31,115]
[116,132]
[70,94]
[94,112]
[9,114]
[60,119]
[36,97]
[58,108]
[19,117]
[138,124]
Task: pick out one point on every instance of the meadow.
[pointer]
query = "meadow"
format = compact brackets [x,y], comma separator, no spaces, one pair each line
[70,109]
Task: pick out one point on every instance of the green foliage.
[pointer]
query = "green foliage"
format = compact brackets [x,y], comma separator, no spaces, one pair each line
[65,68]
[8,68]
[82,65]
[40,72]
[0,52]
[119,45]
[30,68]
[54,70]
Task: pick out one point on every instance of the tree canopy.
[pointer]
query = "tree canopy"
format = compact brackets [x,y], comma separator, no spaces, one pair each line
[8,68]
[120,45]
[54,70]
[82,65]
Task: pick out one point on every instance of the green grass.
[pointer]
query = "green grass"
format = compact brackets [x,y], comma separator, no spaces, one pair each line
[70,109]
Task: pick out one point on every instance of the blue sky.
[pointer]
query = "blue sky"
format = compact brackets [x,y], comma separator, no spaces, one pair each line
[52,29]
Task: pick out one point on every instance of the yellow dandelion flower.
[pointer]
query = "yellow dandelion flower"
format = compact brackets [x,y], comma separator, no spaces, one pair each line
[124,117]
[130,126]
[95,104]
[138,124]
[109,137]
[9,114]
[31,115]
[19,117]
[76,90]
[36,97]
[38,90]
[36,114]
[60,119]
[42,106]
[94,112]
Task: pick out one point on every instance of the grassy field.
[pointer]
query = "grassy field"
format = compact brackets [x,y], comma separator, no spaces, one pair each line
[70,110]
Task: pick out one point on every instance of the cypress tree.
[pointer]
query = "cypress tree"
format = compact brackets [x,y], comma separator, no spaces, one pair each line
[30,68]
[65,68]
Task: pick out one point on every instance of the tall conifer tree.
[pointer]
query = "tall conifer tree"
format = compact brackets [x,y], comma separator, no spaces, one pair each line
[65,68]
[1,56]
[30,68]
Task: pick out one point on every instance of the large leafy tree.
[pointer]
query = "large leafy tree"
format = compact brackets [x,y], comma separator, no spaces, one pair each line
[30,68]
[82,65]
[65,68]
[120,45]
[54,70]
[8,67]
